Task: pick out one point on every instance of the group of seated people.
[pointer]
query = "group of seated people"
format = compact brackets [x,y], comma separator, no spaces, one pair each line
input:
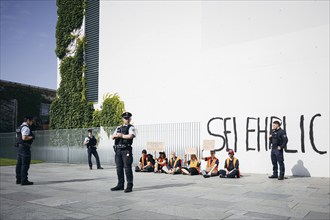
[191,167]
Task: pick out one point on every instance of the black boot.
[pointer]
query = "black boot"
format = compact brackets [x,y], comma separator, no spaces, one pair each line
[26,183]
[273,177]
[117,188]
[129,189]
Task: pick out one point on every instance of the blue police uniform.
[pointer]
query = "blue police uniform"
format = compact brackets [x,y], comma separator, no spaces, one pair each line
[123,155]
[23,154]
[91,150]
[278,139]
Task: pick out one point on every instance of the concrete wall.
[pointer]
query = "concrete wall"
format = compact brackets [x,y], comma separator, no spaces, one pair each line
[207,61]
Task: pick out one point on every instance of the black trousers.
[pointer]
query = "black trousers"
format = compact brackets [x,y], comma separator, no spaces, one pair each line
[277,158]
[231,175]
[192,170]
[90,151]
[124,160]
[23,162]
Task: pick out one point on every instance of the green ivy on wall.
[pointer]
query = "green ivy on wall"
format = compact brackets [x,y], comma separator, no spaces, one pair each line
[70,108]
[70,17]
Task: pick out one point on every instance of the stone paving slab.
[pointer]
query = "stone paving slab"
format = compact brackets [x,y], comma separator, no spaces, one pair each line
[72,191]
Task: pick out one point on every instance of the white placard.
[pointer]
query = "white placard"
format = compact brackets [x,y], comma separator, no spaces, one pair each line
[155,146]
[208,144]
[190,150]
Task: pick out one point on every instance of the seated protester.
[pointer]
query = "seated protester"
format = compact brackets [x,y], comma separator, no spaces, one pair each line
[193,165]
[211,166]
[231,167]
[150,164]
[142,162]
[174,165]
[160,162]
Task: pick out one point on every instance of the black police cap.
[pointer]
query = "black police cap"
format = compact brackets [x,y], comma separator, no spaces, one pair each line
[126,115]
[28,117]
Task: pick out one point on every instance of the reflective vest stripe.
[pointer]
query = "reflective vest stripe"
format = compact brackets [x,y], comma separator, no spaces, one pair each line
[228,160]
[213,163]
[175,162]
[234,163]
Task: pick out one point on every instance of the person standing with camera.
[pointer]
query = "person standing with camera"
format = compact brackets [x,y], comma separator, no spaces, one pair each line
[123,137]
[90,142]
[24,140]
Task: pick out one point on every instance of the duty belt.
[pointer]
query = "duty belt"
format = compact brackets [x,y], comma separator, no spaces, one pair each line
[121,146]
[25,144]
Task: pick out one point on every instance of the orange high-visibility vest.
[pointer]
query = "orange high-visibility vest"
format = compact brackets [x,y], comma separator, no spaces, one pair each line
[210,165]
[234,163]
[142,161]
[160,160]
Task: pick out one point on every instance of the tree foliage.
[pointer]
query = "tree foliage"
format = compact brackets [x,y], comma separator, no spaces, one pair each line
[111,112]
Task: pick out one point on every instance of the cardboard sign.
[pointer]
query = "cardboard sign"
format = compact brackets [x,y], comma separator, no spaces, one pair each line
[190,150]
[155,146]
[208,144]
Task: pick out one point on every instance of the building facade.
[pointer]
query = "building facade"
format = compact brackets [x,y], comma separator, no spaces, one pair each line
[18,100]
[233,66]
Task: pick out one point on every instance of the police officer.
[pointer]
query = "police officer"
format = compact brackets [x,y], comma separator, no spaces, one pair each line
[278,140]
[123,137]
[90,142]
[24,140]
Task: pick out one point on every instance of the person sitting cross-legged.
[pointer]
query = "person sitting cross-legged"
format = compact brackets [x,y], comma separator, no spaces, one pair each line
[160,162]
[231,169]
[211,166]
[174,165]
[150,164]
[193,165]
[142,162]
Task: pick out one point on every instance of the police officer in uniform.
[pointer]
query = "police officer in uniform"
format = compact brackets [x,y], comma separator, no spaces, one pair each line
[278,140]
[123,137]
[24,140]
[90,142]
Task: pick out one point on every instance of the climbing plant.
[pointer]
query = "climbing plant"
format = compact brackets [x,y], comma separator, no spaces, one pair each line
[70,108]
[70,14]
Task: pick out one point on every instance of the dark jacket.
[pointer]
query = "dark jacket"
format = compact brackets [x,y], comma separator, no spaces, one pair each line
[279,139]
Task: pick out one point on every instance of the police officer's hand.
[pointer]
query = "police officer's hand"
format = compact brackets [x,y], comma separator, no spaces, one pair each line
[119,135]
[33,136]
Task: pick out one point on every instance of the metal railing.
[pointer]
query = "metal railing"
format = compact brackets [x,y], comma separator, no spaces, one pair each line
[66,146]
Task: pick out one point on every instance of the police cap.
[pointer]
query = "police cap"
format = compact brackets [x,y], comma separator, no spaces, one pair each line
[126,115]
[28,117]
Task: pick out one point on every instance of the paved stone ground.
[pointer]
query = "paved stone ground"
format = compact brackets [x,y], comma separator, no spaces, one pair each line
[71,191]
